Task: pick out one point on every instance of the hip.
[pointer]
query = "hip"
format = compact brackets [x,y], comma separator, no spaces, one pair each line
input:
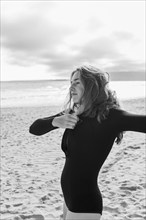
[69,215]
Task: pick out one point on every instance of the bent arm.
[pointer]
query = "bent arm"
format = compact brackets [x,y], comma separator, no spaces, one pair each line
[43,125]
[131,122]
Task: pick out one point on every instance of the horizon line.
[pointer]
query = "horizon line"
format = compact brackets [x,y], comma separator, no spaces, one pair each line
[35,80]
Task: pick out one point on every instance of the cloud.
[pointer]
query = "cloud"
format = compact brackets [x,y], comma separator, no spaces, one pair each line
[36,39]
[62,38]
[33,34]
[127,64]
[30,39]
[100,47]
[123,35]
[93,51]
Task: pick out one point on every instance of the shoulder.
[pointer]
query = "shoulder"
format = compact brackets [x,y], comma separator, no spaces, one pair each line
[122,115]
[117,112]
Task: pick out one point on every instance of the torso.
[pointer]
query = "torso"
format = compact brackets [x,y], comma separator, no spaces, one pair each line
[86,148]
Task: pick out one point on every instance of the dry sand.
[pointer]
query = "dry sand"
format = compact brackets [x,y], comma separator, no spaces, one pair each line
[31,167]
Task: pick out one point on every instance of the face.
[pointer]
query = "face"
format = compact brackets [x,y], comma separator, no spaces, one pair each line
[77,88]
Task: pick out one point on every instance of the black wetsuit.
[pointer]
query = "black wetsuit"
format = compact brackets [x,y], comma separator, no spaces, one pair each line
[86,148]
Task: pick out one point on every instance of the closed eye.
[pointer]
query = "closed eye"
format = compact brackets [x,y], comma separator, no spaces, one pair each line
[75,83]
[75,80]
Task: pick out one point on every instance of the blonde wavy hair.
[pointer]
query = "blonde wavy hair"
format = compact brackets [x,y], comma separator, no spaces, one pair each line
[98,99]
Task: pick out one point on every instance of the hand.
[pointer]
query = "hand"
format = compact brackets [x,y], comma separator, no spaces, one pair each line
[65,121]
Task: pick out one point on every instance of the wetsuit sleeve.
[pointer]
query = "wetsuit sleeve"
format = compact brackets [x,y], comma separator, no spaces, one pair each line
[130,122]
[43,125]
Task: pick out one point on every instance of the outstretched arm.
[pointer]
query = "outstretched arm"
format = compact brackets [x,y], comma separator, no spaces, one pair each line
[131,122]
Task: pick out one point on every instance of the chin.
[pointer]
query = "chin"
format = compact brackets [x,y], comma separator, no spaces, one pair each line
[76,101]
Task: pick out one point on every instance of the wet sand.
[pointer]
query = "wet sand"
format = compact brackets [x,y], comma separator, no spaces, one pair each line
[31,167]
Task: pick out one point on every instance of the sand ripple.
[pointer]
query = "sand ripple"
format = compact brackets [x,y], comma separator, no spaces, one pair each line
[31,167]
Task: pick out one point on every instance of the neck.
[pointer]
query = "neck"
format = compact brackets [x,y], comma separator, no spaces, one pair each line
[79,109]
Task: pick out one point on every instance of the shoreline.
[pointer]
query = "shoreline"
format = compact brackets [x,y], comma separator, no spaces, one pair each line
[61,105]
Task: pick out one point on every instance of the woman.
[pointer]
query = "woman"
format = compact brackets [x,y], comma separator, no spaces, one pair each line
[92,120]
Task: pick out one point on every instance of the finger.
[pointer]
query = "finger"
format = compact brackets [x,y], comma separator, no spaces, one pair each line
[73,121]
[71,125]
[74,117]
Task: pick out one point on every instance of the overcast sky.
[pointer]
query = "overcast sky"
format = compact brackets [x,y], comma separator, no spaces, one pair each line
[48,40]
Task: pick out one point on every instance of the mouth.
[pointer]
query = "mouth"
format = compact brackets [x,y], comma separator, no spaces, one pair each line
[73,94]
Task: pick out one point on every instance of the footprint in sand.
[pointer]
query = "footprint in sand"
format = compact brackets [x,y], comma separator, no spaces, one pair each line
[32,217]
[113,210]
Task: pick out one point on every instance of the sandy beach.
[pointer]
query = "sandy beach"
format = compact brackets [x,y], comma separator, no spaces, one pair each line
[31,167]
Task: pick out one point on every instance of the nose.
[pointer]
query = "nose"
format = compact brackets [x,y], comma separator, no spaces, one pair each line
[72,89]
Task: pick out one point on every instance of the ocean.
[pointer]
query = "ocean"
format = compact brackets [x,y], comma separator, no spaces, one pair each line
[54,92]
